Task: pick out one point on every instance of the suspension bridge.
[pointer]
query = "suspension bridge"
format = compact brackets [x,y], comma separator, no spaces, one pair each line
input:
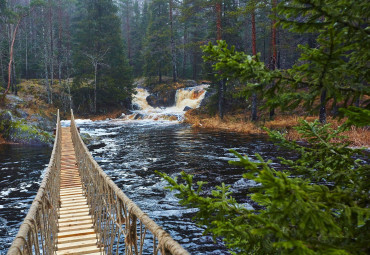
[78,209]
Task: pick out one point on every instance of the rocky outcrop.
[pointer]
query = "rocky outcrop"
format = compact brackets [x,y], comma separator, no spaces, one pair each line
[17,126]
[207,98]
[162,99]
[43,123]
[17,130]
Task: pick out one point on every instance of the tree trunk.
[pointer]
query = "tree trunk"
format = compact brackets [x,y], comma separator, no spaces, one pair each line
[14,80]
[218,21]
[26,56]
[221,98]
[322,114]
[60,31]
[264,44]
[2,68]
[174,68]
[221,84]
[357,102]
[51,55]
[254,106]
[195,65]
[11,55]
[335,107]
[254,51]
[160,72]
[46,62]
[184,49]
[128,36]
[95,74]
[273,39]
[12,49]
[254,46]
[68,86]
[274,51]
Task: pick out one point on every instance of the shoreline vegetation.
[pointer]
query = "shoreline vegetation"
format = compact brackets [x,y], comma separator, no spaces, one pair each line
[356,136]
[32,100]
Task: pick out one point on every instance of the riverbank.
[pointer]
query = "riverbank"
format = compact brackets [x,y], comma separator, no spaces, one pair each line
[27,118]
[357,137]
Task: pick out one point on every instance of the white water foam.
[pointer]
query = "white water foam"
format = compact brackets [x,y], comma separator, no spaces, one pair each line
[186,97]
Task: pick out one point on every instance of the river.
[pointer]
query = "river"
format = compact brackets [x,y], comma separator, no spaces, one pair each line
[21,172]
[129,152]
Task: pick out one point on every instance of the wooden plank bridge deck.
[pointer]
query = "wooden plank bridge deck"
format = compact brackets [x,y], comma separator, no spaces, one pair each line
[79,210]
[76,233]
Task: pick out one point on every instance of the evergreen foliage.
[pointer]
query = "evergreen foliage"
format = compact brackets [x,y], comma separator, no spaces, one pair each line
[157,43]
[320,203]
[317,205]
[97,36]
[137,36]
[336,69]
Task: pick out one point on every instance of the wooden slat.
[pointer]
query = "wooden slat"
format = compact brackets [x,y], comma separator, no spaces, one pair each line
[79,251]
[76,227]
[73,239]
[76,233]
[84,243]
[71,223]
[74,219]
[75,207]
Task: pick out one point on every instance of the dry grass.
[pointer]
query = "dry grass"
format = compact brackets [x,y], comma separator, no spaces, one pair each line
[357,137]
[34,95]
[229,123]
[2,140]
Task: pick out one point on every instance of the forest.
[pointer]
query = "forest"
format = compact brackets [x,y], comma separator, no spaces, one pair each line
[264,60]
[92,50]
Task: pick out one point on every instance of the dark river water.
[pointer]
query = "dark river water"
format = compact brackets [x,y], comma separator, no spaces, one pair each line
[129,152]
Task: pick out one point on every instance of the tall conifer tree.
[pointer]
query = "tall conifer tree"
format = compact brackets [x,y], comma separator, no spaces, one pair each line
[157,45]
[99,53]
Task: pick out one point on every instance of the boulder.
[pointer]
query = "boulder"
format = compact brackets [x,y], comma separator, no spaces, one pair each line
[6,116]
[42,122]
[207,98]
[21,113]
[135,107]
[187,108]
[162,98]
[24,133]
[152,100]
[139,116]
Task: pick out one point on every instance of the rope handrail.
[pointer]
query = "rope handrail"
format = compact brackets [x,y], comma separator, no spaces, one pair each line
[38,232]
[121,225]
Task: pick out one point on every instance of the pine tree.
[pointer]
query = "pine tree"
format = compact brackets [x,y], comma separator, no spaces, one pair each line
[137,35]
[157,43]
[319,204]
[335,69]
[99,54]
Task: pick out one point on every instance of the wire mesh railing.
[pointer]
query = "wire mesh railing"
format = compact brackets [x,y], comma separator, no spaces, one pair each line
[38,232]
[121,225]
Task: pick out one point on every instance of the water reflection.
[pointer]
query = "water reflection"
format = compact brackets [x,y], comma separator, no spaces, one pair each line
[21,169]
[129,152]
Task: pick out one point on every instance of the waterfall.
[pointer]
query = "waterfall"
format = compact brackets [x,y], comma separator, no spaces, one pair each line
[190,97]
[139,99]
